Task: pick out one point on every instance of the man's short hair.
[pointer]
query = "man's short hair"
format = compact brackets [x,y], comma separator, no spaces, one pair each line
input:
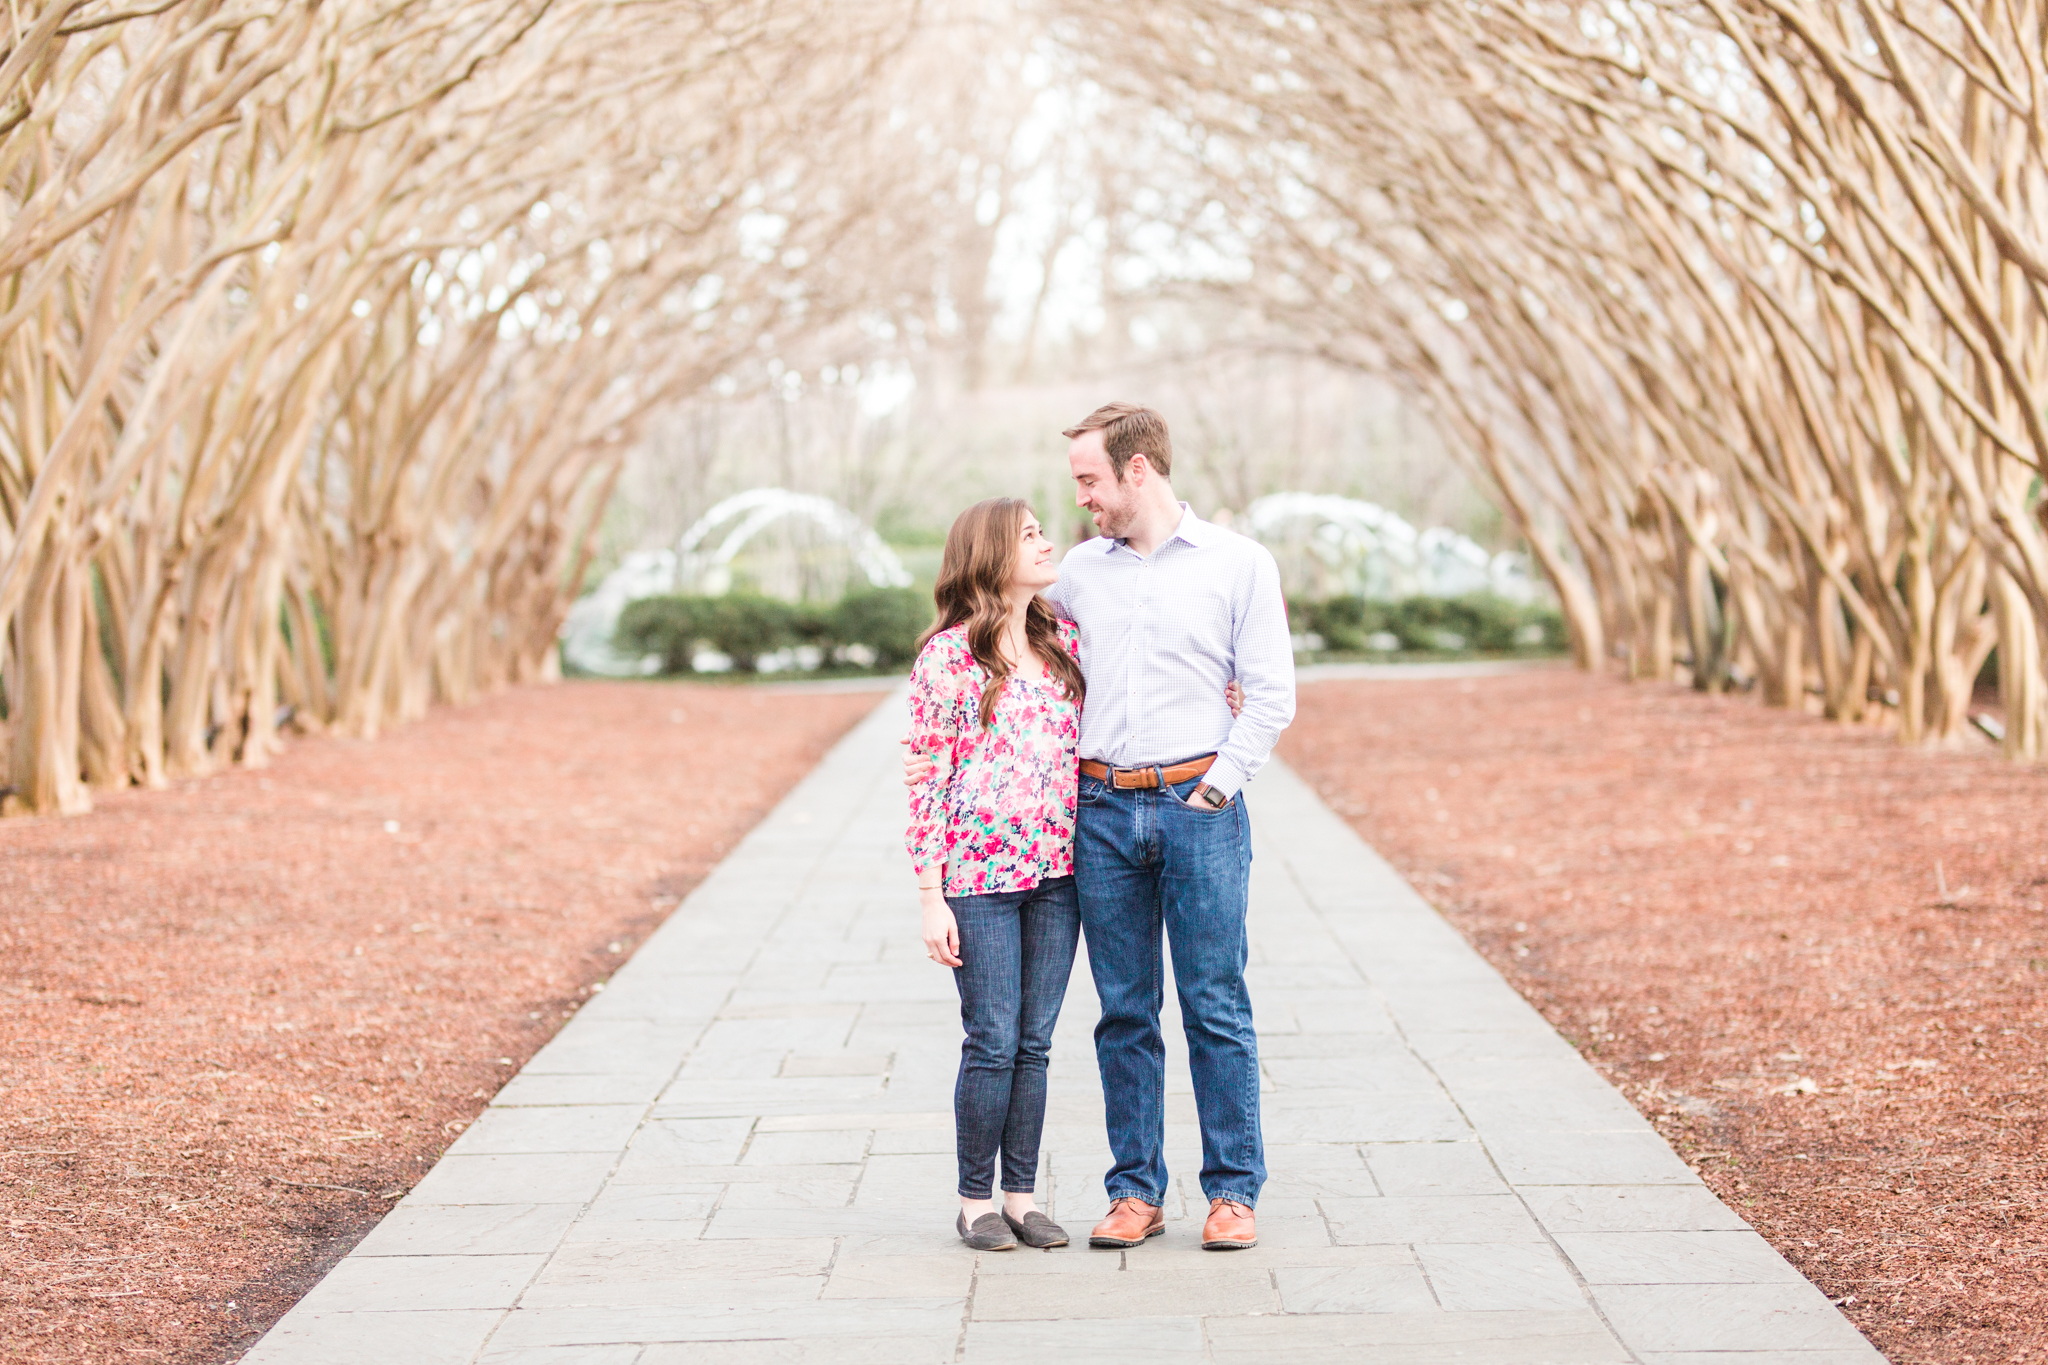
[1128,429]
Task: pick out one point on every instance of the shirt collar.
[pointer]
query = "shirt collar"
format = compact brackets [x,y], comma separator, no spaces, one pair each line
[1191,529]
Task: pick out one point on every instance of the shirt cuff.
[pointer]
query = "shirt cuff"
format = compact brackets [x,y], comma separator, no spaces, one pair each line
[1224,776]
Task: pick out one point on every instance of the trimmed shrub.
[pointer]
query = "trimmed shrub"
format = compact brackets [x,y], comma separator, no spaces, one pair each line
[886,620]
[1478,622]
[1343,622]
[742,626]
[1433,624]
[745,626]
[666,626]
[814,624]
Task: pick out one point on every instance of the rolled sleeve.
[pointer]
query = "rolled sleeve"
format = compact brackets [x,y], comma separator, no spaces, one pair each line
[1265,671]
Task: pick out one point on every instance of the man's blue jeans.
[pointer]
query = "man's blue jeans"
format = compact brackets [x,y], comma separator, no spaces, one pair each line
[1016,954]
[1147,863]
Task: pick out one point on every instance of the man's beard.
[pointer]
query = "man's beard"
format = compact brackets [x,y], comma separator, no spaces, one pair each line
[1113,519]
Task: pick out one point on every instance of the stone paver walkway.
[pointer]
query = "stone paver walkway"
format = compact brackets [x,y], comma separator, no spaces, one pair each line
[742,1152]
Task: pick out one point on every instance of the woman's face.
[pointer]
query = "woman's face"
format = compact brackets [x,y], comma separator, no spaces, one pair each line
[1035,569]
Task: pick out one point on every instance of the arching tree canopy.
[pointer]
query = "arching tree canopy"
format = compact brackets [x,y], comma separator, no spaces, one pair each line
[1736,306]
[325,326]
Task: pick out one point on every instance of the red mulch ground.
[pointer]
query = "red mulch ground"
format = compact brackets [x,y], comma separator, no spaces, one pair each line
[219,999]
[1818,961]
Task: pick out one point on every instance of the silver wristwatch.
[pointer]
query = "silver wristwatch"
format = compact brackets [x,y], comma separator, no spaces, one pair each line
[1209,796]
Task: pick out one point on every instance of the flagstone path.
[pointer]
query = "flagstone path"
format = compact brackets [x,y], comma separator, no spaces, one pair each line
[741,1153]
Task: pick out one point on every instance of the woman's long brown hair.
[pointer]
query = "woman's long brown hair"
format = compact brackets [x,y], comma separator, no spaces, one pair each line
[974,579]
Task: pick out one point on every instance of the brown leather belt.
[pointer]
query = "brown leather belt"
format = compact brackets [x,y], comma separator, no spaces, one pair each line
[1147,777]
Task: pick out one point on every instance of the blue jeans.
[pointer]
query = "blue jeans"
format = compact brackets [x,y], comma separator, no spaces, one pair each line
[1016,953]
[1148,863]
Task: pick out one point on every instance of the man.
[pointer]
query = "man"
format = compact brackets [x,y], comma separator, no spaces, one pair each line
[1171,609]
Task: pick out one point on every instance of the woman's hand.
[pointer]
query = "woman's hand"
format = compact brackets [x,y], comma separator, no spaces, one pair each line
[916,766]
[941,930]
[1234,694]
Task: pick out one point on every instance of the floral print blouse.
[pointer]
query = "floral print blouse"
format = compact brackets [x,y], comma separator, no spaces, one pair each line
[997,807]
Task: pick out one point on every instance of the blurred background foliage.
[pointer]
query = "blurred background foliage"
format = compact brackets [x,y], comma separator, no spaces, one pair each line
[1473,624]
[877,630]
[748,632]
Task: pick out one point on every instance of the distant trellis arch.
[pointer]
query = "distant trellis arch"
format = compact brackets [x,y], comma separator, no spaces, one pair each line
[701,562]
[704,555]
[1360,547]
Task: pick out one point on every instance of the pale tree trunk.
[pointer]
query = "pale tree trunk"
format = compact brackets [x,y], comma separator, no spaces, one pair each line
[43,696]
[2022,690]
[102,730]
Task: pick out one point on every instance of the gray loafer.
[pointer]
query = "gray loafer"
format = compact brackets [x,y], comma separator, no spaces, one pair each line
[989,1233]
[1034,1229]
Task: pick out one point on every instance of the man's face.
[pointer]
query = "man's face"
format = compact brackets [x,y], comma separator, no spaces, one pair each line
[1113,504]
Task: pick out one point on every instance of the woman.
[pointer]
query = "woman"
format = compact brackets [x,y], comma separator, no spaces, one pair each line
[995,704]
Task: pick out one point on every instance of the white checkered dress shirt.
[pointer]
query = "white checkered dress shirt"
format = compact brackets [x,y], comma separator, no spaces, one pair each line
[1161,637]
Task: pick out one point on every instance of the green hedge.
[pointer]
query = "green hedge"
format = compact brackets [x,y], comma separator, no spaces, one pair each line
[745,626]
[1478,623]
[888,622]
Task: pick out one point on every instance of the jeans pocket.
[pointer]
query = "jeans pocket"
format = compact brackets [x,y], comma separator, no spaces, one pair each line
[1202,807]
[1093,789]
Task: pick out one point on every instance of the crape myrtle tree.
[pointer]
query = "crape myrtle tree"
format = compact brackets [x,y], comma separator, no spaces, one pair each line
[1736,307]
[324,328]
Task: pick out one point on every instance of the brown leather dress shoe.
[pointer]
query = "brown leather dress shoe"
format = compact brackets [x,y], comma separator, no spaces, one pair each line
[1129,1223]
[1231,1227]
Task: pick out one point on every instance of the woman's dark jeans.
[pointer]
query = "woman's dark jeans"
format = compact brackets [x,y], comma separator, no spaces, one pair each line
[1016,953]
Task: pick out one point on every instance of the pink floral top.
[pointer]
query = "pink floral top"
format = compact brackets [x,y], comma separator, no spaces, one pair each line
[997,807]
